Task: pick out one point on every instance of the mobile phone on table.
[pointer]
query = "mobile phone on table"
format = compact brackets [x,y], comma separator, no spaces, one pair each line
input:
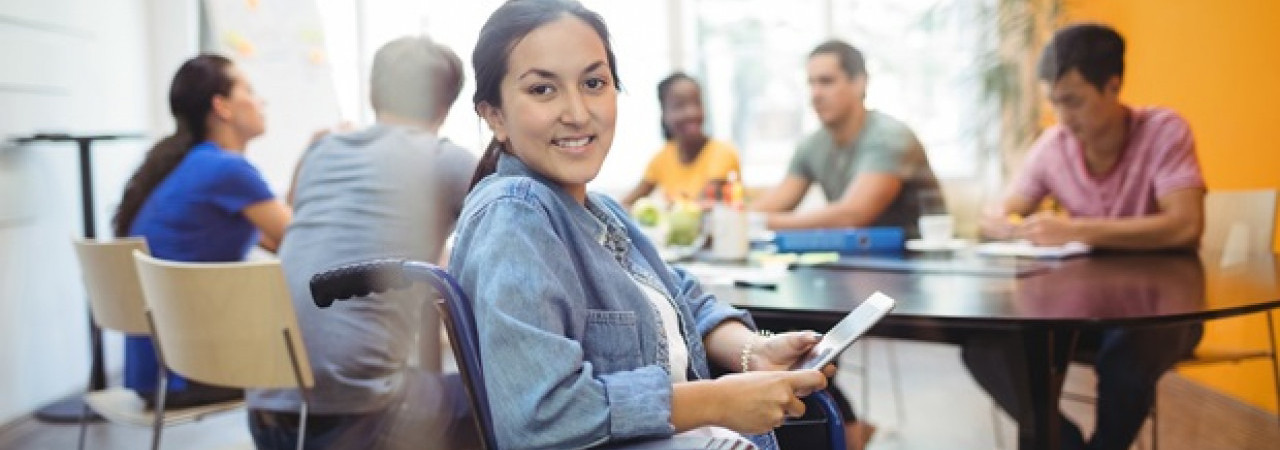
[850,328]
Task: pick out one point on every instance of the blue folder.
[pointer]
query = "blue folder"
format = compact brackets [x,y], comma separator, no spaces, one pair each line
[846,241]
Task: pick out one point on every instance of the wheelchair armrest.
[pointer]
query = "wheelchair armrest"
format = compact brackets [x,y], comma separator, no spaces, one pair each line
[822,426]
[357,280]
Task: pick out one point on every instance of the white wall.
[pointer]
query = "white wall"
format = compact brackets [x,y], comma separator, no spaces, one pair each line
[80,66]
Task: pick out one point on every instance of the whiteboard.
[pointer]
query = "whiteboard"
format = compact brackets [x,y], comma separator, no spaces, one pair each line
[280,46]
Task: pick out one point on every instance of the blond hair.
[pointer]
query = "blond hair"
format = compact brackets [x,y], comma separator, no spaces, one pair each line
[414,77]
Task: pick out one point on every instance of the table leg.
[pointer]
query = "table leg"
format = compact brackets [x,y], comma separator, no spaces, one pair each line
[89,223]
[70,409]
[1044,349]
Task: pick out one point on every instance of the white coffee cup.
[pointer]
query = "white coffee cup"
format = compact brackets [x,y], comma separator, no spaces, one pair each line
[936,228]
[729,240]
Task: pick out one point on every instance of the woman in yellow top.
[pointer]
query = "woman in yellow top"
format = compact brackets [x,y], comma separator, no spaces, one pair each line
[690,160]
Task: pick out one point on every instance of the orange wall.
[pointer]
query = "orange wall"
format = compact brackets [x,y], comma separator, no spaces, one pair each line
[1218,63]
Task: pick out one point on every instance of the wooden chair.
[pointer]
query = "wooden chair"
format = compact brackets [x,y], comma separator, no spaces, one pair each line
[115,299]
[227,324]
[1238,225]
[1239,222]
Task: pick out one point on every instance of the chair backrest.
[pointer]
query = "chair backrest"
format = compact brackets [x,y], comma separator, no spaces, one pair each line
[111,281]
[228,324]
[1237,221]
[460,322]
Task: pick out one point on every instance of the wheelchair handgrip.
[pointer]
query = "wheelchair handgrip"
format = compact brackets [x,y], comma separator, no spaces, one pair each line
[357,280]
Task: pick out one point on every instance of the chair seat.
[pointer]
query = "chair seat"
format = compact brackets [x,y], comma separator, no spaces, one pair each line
[123,405]
[1220,355]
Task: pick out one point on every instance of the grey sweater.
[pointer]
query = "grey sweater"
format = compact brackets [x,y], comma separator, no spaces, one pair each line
[385,191]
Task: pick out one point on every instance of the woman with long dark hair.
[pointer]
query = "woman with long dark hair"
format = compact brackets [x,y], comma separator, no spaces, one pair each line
[690,160]
[195,198]
[586,335]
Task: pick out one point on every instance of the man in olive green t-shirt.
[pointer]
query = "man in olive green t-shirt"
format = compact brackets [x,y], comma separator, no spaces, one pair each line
[870,166]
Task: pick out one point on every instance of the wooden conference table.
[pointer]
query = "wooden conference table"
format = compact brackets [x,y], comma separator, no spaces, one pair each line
[1052,304]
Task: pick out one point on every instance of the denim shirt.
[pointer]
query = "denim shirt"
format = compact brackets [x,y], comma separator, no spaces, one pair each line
[573,352]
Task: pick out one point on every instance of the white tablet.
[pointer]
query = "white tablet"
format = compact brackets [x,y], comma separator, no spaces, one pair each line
[850,328]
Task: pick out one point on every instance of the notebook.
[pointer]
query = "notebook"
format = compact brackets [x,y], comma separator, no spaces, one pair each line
[1025,249]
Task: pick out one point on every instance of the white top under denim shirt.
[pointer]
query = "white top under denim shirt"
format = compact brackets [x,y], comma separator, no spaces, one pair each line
[677,353]
[573,352]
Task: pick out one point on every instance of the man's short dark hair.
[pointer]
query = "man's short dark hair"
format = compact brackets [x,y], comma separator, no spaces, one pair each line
[1096,50]
[850,58]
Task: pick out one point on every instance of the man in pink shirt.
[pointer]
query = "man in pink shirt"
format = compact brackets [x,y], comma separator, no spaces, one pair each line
[1127,179]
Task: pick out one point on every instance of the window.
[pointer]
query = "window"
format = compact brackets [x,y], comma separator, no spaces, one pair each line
[639,36]
[923,58]
[925,62]
[750,54]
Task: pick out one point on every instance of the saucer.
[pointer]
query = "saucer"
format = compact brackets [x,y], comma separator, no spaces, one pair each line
[936,246]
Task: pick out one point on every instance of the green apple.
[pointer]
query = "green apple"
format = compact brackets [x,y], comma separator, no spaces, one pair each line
[646,212]
[686,223]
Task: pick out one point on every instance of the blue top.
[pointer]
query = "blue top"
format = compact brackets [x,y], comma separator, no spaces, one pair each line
[573,352]
[195,215]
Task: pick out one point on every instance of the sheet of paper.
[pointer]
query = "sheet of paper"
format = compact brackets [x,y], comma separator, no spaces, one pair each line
[720,275]
[957,266]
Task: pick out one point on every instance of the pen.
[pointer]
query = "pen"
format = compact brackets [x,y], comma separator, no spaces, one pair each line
[769,285]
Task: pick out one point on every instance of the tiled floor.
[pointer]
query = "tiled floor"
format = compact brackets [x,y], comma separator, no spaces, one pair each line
[942,408]
[220,432]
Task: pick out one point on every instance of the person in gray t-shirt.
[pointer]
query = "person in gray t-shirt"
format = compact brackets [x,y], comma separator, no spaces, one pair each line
[391,190]
[870,166]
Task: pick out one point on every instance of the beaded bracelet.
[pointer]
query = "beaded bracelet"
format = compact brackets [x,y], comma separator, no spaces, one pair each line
[746,348]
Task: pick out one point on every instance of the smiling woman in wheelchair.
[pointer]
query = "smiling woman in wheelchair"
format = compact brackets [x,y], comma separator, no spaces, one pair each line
[586,335]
